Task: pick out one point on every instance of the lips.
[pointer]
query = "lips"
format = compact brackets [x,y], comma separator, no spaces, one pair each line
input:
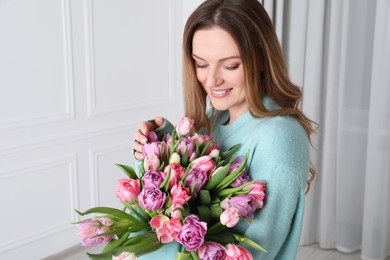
[220,92]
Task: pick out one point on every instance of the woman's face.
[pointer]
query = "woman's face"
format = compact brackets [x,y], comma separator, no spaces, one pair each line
[220,70]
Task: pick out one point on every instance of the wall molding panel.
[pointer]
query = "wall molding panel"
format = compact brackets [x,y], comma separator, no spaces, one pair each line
[95,157]
[142,101]
[63,139]
[68,113]
[26,171]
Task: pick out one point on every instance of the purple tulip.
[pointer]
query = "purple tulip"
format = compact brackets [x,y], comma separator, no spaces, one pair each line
[153,177]
[211,251]
[196,177]
[92,227]
[240,180]
[236,163]
[152,137]
[151,198]
[186,144]
[191,234]
[245,204]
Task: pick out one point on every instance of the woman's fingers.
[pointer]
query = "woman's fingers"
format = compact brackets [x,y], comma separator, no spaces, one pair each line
[159,121]
[141,136]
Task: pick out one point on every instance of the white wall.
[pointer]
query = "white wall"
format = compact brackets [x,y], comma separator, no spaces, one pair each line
[76,77]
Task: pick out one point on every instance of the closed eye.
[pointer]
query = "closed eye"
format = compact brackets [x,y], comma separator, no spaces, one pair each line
[233,67]
[201,66]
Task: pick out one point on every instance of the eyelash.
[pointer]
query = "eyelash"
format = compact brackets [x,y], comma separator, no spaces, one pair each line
[234,67]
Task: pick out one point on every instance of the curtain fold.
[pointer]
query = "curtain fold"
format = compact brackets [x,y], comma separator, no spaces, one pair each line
[339,52]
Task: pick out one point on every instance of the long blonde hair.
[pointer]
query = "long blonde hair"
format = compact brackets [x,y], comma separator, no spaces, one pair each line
[264,64]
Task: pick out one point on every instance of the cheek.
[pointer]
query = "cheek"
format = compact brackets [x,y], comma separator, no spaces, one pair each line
[201,76]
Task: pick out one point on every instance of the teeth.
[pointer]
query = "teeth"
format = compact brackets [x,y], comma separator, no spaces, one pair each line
[220,92]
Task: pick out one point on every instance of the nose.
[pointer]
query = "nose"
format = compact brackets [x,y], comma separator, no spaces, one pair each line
[213,78]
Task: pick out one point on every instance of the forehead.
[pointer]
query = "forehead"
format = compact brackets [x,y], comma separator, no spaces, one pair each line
[214,43]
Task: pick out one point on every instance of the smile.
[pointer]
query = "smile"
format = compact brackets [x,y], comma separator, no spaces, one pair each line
[220,92]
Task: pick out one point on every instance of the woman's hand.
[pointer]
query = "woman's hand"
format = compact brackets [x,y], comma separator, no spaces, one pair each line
[141,136]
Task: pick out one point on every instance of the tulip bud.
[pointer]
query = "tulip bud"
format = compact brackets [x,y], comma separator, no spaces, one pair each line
[174,158]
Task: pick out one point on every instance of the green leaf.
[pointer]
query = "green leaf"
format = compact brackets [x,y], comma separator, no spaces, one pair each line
[197,149]
[184,159]
[216,211]
[142,244]
[216,228]
[174,147]
[135,223]
[105,210]
[165,184]
[194,256]
[204,147]
[231,191]
[204,213]
[223,237]
[114,231]
[204,197]
[130,172]
[161,168]
[184,256]
[218,175]
[247,241]
[141,170]
[142,217]
[231,151]
[116,242]
[182,180]
[232,176]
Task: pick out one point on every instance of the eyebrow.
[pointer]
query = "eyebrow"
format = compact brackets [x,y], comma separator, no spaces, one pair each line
[223,59]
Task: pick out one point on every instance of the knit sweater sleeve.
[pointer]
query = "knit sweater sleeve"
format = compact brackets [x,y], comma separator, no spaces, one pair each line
[280,158]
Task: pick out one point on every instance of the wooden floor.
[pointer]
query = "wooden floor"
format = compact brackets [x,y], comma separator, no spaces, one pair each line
[311,252]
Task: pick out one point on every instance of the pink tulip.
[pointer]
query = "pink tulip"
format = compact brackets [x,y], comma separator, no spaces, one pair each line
[127,190]
[230,217]
[180,194]
[177,172]
[257,190]
[175,210]
[204,163]
[166,229]
[125,256]
[151,162]
[235,252]
[185,125]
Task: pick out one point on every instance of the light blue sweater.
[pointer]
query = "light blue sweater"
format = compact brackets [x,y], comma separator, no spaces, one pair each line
[279,155]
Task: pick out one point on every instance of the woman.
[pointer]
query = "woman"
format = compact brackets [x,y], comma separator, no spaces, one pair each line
[232,58]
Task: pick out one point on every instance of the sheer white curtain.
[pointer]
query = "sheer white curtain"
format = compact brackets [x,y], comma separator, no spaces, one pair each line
[339,52]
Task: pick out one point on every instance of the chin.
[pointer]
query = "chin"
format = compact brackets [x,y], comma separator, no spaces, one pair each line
[219,107]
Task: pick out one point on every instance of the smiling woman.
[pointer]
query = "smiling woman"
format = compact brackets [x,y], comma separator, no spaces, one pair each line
[220,70]
[232,58]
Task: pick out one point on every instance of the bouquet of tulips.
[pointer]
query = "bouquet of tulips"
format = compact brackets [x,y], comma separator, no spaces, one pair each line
[186,191]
